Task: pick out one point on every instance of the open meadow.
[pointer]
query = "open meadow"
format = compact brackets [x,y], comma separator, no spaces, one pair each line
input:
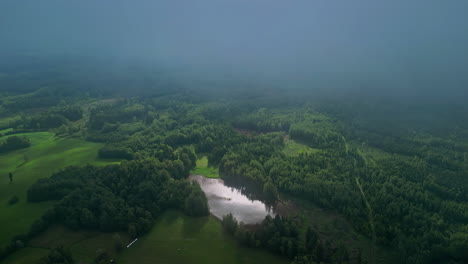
[177,238]
[46,155]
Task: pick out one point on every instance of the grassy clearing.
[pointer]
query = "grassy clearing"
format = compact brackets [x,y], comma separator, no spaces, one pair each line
[202,168]
[294,148]
[84,251]
[346,144]
[82,244]
[26,255]
[6,130]
[177,238]
[46,155]
[372,155]
[59,235]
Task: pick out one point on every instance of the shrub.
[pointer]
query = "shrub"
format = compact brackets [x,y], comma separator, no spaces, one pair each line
[13,200]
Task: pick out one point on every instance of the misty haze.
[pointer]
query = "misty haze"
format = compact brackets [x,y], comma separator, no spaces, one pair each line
[233,131]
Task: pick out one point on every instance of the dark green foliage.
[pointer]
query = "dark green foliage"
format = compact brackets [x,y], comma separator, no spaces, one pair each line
[319,136]
[72,113]
[14,143]
[230,223]
[120,112]
[38,100]
[44,121]
[311,239]
[397,187]
[270,191]
[13,200]
[196,203]
[118,242]
[115,152]
[58,255]
[121,197]
[263,121]
[102,256]
[284,236]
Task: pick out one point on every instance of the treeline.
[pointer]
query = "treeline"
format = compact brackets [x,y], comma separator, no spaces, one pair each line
[121,197]
[52,118]
[156,131]
[264,120]
[441,153]
[317,135]
[126,197]
[14,143]
[305,125]
[289,237]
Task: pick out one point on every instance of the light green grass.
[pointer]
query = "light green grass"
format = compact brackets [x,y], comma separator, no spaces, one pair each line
[58,235]
[202,168]
[294,148]
[47,155]
[177,238]
[5,130]
[346,144]
[81,243]
[26,255]
[372,155]
[84,251]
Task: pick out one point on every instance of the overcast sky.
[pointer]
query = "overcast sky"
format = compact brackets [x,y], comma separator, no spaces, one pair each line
[400,44]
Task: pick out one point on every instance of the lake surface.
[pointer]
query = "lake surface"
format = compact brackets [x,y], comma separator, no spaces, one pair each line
[223,200]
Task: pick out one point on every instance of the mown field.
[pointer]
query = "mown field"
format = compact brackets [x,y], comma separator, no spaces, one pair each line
[294,148]
[202,168]
[26,256]
[176,238]
[46,155]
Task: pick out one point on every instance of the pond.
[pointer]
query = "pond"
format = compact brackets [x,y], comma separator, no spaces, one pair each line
[223,200]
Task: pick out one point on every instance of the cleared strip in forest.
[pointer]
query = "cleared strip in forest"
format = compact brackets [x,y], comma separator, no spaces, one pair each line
[346,144]
[371,220]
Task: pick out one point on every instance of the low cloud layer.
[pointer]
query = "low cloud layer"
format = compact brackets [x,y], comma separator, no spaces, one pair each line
[402,47]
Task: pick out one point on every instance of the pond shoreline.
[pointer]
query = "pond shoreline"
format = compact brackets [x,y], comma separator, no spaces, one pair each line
[223,199]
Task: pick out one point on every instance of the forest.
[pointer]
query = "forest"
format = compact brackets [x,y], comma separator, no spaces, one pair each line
[403,187]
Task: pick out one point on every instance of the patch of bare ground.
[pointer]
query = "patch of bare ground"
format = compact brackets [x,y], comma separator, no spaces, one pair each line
[247,133]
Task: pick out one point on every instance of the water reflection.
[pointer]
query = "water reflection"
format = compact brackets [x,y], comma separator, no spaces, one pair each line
[223,200]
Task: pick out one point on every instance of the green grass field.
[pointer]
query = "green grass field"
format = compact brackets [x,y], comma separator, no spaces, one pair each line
[202,168]
[176,238]
[294,148]
[5,130]
[82,244]
[46,155]
[84,251]
[25,256]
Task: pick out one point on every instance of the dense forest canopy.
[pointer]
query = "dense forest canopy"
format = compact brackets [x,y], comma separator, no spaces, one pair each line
[410,177]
